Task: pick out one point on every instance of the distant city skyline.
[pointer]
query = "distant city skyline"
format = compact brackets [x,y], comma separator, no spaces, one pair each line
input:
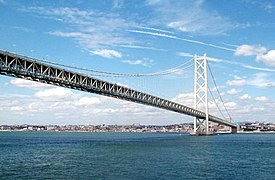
[140,37]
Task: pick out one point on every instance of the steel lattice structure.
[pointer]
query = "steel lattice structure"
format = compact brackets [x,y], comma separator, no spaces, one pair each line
[19,66]
[201,126]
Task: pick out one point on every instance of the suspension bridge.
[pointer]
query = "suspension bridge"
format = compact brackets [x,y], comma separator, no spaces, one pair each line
[19,66]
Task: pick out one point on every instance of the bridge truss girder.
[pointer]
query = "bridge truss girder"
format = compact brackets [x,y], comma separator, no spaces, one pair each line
[31,69]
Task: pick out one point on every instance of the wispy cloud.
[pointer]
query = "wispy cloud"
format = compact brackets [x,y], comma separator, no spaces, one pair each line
[185,54]
[117,4]
[190,17]
[257,68]
[153,34]
[19,28]
[155,29]
[240,64]
[182,39]
[91,29]
[230,45]
[268,6]
[219,60]
[106,53]
[260,80]
[144,62]
[141,47]
[69,34]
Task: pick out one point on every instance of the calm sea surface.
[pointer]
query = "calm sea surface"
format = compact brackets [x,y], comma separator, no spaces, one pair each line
[37,155]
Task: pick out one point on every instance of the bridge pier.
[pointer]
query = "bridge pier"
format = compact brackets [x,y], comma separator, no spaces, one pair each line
[209,133]
[235,130]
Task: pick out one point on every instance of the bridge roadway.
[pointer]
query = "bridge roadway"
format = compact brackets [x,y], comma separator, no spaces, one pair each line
[19,66]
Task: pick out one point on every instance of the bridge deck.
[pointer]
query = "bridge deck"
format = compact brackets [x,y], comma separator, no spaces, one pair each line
[31,69]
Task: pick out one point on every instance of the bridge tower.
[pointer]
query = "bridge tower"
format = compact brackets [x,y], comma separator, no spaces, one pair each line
[201,126]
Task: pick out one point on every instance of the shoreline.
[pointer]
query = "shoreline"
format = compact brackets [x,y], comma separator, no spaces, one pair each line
[216,133]
[98,132]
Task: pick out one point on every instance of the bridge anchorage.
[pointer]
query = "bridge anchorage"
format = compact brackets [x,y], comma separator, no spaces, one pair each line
[33,69]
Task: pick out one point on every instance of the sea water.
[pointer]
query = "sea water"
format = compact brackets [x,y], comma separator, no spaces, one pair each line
[72,155]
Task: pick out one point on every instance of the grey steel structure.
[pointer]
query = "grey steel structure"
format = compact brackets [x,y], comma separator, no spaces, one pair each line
[19,66]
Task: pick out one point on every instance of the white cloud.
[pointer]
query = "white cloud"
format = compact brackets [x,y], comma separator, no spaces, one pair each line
[245,97]
[236,82]
[55,94]
[188,100]
[185,54]
[214,59]
[85,101]
[233,91]
[28,84]
[261,98]
[2,1]
[185,99]
[261,53]
[134,62]
[216,88]
[260,80]
[107,53]
[17,108]
[121,84]
[268,58]
[231,105]
[144,62]
[69,34]
[249,50]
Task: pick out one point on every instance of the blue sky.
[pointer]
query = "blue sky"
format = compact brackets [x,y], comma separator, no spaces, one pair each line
[140,37]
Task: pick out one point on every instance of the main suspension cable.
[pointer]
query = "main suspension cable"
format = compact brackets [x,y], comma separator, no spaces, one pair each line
[114,74]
